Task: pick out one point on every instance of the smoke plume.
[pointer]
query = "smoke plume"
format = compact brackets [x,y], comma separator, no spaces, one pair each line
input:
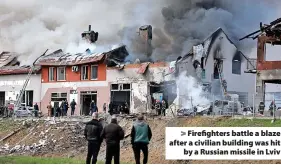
[191,92]
[30,27]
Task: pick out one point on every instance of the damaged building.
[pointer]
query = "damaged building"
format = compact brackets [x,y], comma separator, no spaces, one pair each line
[218,64]
[81,77]
[12,78]
[267,72]
[140,84]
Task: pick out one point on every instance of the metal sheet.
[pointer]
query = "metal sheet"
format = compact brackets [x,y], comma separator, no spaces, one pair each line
[143,68]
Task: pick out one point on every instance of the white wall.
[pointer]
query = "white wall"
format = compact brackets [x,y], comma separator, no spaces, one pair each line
[139,87]
[245,82]
[10,83]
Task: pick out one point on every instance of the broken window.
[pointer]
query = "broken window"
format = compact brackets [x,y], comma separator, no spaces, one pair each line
[114,86]
[236,64]
[51,74]
[61,74]
[218,68]
[58,97]
[251,64]
[94,72]
[271,52]
[84,73]
[126,86]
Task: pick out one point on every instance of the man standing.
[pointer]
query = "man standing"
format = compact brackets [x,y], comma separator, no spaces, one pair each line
[66,107]
[49,107]
[36,109]
[164,106]
[92,133]
[140,138]
[72,105]
[62,108]
[112,133]
[93,107]
[104,107]
[110,108]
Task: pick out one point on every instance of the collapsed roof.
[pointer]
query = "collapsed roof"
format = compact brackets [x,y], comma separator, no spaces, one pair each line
[111,57]
[203,49]
[9,64]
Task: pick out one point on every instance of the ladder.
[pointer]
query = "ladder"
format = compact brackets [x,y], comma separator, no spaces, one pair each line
[18,102]
[31,70]
[224,91]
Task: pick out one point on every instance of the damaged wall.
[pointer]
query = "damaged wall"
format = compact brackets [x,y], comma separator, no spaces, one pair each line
[219,46]
[139,82]
[15,83]
[101,87]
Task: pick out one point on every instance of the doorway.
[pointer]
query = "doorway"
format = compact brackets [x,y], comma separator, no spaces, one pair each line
[86,99]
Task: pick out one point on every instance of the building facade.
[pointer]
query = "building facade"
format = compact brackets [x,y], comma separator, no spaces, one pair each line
[140,84]
[80,77]
[217,54]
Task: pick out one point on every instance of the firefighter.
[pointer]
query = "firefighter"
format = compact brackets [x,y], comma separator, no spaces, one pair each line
[163,107]
[272,108]
[158,107]
[261,108]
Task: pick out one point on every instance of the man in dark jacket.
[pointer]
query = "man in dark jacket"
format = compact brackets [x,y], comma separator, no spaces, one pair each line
[72,105]
[110,108]
[141,135]
[112,133]
[92,133]
[93,107]
[36,109]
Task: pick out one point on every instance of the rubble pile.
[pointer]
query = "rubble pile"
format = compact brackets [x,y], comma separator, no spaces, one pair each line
[46,137]
[66,139]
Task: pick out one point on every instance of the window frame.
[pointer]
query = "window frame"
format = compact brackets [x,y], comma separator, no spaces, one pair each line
[240,67]
[58,68]
[53,70]
[87,70]
[96,71]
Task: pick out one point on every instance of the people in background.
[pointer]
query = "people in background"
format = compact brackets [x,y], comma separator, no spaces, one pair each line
[122,109]
[62,108]
[140,137]
[126,108]
[58,111]
[112,133]
[49,107]
[93,107]
[92,133]
[118,109]
[36,110]
[163,106]
[261,108]
[110,108]
[272,108]
[158,107]
[104,107]
[66,107]
[72,105]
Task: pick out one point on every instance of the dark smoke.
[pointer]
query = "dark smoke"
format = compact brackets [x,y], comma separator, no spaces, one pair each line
[189,22]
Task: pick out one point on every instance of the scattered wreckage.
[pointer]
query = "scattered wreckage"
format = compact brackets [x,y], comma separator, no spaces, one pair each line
[218,107]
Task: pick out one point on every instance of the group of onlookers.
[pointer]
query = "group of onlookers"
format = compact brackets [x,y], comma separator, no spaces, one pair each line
[113,134]
[160,107]
[62,109]
[122,108]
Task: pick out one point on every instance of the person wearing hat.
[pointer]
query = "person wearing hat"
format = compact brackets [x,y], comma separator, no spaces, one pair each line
[92,133]
[140,137]
[113,134]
